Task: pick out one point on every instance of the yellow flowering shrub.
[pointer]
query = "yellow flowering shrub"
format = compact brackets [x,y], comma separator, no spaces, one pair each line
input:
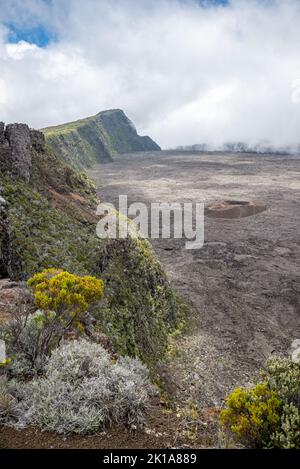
[253,415]
[68,295]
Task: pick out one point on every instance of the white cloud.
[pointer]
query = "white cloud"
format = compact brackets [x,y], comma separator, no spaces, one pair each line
[2,92]
[183,73]
[20,50]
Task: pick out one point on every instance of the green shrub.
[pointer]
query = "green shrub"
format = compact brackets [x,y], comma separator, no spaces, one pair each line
[268,414]
[69,296]
[288,436]
[140,307]
[252,414]
[283,374]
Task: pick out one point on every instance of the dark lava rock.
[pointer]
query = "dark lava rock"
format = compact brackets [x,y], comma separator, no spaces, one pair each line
[37,140]
[19,150]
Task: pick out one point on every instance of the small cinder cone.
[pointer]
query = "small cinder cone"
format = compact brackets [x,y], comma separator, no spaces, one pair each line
[234,209]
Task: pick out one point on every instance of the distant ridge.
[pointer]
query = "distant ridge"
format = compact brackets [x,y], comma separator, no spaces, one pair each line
[96,139]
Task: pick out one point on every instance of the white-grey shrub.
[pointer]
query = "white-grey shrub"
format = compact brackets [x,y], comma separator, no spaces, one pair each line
[78,359]
[14,410]
[8,401]
[64,406]
[83,390]
[288,437]
[128,381]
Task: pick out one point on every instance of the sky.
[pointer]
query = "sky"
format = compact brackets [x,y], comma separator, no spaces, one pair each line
[185,71]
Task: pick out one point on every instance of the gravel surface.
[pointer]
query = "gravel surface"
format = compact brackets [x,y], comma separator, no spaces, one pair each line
[243,285]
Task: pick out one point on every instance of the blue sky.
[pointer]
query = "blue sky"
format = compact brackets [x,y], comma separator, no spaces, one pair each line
[38,35]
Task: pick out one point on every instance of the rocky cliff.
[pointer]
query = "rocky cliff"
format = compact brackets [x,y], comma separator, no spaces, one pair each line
[34,185]
[47,219]
[16,144]
[96,139]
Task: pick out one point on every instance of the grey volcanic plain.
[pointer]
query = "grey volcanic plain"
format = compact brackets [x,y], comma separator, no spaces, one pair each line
[243,285]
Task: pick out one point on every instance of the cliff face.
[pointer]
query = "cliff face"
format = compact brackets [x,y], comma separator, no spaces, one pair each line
[47,219]
[39,195]
[96,139]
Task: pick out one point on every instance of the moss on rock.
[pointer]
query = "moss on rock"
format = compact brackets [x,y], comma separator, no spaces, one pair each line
[141,309]
[41,236]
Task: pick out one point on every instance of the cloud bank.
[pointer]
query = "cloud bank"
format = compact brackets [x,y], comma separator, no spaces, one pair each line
[184,72]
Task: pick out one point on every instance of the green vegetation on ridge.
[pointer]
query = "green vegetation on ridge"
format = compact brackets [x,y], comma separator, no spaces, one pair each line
[96,139]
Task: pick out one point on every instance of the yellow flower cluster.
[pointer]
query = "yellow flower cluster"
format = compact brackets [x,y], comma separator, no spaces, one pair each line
[59,291]
[252,414]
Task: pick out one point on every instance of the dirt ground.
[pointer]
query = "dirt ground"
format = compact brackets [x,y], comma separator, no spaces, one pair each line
[164,428]
[243,285]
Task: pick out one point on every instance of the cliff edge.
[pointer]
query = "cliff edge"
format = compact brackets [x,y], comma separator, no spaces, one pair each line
[96,139]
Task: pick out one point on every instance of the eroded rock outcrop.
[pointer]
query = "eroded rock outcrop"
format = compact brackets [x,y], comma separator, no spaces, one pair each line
[18,137]
[37,140]
[17,142]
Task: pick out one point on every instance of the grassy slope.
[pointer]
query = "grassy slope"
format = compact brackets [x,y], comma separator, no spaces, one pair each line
[96,139]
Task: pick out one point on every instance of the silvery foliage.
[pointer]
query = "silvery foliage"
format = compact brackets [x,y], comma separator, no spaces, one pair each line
[8,402]
[14,411]
[83,390]
[283,375]
[289,435]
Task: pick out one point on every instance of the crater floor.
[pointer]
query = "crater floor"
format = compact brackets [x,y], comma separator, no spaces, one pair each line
[243,285]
